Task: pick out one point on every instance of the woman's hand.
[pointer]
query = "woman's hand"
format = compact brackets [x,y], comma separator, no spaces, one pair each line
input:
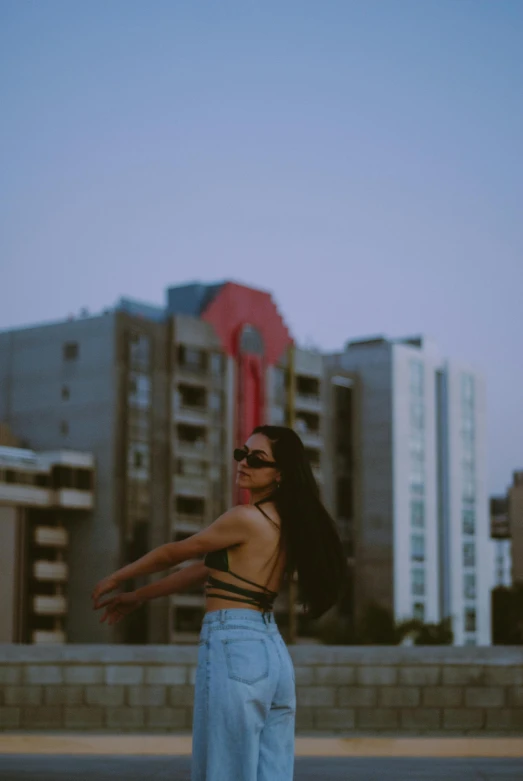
[119,606]
[104,586]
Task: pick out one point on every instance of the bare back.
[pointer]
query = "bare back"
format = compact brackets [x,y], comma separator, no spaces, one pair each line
[258,559]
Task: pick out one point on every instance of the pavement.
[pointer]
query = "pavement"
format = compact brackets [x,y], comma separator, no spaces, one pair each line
[92,757]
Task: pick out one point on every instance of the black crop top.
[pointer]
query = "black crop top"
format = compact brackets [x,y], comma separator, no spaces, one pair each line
[219,559]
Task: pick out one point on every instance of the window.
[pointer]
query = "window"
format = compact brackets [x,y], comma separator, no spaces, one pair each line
[192,359]
[416,377]
[468,518]
[417,547]
[190,506]
[65,392]
[308,386]
[469,585]
[418,611]
[470,619]
[469,554]
[215,401]
[417,513]
[139,390]
[192,435]
[217,363]
[191,396]
[138,456]
[418,582]
[139,350]
[64,428]
[70,351]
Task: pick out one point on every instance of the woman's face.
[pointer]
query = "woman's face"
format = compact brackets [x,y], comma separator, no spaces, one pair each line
[258,479]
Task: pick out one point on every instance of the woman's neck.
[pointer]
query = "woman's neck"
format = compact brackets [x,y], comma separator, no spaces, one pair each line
[258,496]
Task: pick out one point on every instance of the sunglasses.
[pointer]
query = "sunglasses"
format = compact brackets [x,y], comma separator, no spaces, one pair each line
[253,461]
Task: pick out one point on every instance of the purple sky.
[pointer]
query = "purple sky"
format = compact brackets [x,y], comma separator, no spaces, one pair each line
[362,160]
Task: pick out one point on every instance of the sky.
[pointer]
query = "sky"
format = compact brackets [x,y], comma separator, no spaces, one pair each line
[360,159]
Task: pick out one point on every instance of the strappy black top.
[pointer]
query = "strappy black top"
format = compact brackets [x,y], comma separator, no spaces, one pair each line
[219,560]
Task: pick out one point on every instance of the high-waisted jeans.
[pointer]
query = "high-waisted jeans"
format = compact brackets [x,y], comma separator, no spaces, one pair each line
[244,700]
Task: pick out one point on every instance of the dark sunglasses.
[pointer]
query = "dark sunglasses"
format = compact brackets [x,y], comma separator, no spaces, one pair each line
[253,461]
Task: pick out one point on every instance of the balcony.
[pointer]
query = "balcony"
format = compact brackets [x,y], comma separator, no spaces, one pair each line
[197,448]
[198,416]
[73,499]
[25,495]
[185,485]
[43,637]
[50,571]
[55,605]
[308,402]
[51,536]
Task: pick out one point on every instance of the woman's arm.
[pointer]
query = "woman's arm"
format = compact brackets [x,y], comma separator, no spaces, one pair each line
[231,528]
[172,584]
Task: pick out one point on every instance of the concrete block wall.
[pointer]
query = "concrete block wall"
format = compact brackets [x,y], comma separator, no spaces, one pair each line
[352,691]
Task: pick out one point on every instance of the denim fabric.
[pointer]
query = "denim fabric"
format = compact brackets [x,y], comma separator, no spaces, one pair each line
[244,700]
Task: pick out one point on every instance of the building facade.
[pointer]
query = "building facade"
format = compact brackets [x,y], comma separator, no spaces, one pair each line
[423,517]
[42,496]
[160,396]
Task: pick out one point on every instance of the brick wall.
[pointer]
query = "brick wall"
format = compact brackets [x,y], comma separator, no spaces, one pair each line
[354,691]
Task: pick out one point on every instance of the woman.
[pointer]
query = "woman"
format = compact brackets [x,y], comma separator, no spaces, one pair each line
[245,702]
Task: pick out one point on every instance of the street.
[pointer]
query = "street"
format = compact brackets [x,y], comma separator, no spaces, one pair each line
[17,767]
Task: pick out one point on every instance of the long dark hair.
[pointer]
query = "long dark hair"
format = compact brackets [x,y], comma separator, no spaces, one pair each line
[309,535]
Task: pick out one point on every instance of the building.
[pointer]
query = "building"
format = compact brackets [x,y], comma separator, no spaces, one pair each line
[42,496]
[501,543]
[422,538]
[161,395]
[515,518]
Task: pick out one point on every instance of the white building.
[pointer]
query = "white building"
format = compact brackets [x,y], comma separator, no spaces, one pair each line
[424,528]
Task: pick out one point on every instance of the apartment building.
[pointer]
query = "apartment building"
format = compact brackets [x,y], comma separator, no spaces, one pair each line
[422,543]
[42,496]
[500,542]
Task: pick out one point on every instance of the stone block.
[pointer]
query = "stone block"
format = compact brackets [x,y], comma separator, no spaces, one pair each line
[305,718]
[166,675]
[146,695]
[125,718]
[357,696]
[399,697]
[442,696]
[169,718]
[116,674]
[377,718]
[181,696]
[484,697]
[504,676]
[86,674]
[420,719]
[377,676]
[304,675]
[336,719]
[84,717]
[42,716]
[515,696]
[23,695]
[463,719]
[463,675]
[10,718]
[63,695]
[336,676]
[104,695]
[504,719]
[43,673]
[425,675]
[316,695]
[10,674]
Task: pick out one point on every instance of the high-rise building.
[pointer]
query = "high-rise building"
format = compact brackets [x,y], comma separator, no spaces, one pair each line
[515,518]
[500,541]
[161,395]
[422,540]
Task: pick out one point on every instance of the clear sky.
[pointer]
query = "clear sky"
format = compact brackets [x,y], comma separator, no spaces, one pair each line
[361,159]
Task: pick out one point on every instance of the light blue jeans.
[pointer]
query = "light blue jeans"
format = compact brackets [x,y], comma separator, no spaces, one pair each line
[244,700]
